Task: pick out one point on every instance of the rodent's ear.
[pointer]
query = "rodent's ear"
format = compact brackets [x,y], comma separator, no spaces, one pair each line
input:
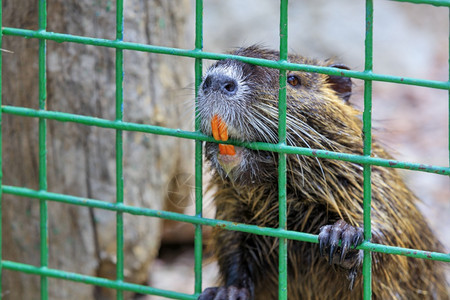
[342,85]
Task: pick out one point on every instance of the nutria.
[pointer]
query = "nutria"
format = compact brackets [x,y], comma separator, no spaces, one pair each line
[239,101]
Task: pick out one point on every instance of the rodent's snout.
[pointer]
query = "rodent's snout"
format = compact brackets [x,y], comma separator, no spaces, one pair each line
[220,83]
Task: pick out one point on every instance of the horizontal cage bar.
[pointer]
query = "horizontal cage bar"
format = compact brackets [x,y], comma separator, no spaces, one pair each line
[281,148]
[103,282]
[274,232]
[60,37]
[430,2]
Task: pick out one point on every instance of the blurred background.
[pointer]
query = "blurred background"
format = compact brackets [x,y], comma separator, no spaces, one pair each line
[412,122]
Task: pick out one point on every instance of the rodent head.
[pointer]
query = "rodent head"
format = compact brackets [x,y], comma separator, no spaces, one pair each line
[245,97]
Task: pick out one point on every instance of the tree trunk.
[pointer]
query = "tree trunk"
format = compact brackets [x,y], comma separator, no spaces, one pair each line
[81,159]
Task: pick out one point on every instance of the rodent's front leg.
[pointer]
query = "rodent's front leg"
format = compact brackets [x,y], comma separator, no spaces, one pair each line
[225,293]
[239,287]
[234,268]
[350,259]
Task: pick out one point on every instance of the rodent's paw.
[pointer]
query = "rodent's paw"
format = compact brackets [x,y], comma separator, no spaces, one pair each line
[329,238]
[225,293]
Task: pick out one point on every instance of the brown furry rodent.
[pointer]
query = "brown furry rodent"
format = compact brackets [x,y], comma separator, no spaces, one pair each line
[323,196]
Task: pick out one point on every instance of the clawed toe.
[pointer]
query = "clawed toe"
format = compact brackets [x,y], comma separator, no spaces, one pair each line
[350,236]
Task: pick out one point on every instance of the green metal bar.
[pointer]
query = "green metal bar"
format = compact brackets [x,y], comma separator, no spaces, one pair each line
[1,151]
[279,148]
[43,210]
[274,232]
[367,151]
[198,241]
[431,2]
[119,148]
[59,37]
[103,282]
[282,256]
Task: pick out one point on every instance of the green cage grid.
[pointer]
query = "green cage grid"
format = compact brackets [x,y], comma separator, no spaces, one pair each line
[43,196]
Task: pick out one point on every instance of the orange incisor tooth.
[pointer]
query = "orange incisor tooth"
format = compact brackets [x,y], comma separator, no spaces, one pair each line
[220,133]
[230,150]
[227,149]
[215,127]
[219,129]
[223,130]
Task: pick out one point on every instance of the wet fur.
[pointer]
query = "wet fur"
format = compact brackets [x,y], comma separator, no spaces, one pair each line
[319,192]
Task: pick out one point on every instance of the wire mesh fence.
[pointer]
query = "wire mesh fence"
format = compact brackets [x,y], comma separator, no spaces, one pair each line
[119,126]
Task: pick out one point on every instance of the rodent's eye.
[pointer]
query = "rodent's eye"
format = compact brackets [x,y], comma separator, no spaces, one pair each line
[294,80]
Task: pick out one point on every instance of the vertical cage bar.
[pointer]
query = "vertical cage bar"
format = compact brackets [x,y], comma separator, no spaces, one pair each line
[198,244]
[1,152]
[43,147]
[282,263]
[367,131]
[119,146]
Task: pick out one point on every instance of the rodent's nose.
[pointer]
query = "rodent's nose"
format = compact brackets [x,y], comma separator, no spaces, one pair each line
[220,83]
